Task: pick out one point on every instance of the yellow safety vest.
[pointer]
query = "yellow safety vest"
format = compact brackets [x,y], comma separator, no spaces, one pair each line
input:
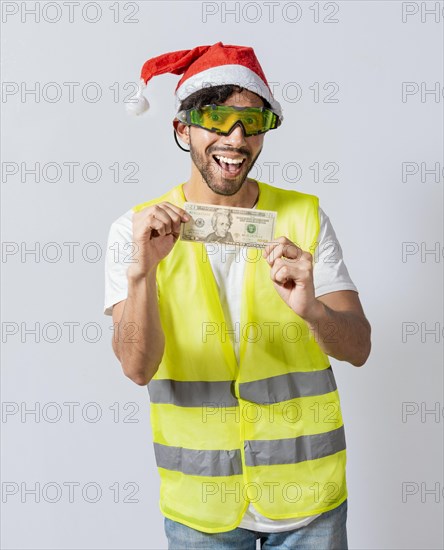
[268,430]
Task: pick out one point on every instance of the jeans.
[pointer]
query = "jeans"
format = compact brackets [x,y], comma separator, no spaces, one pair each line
[327,532]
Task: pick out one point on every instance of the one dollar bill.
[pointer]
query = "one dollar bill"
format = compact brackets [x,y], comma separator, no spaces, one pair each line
[241,226]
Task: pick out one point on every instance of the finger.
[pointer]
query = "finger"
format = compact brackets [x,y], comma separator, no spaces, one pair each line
[276,253]
[270,255]
[301,272]
[160,215]
[273,244]
[157,225]
[291,250]
[294,269]
[281,273]
[182,213]
[269,247]
[288,250]
[176,219]
[307,256]
[282,277]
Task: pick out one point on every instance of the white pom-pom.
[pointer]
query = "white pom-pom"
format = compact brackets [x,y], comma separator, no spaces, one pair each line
[139,107]
[141,104]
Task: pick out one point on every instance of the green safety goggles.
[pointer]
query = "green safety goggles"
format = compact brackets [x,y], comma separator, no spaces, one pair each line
[222,118]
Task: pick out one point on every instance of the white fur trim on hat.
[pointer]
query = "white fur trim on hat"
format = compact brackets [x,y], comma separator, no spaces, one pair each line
[228,74]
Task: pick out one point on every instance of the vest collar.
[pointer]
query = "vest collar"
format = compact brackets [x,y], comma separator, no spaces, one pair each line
[179,196]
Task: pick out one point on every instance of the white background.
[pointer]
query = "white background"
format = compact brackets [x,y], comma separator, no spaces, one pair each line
[369,52]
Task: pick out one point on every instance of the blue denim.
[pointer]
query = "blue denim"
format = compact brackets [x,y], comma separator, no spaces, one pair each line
[327,532]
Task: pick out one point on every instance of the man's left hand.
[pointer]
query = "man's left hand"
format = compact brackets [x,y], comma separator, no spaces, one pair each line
[292,276]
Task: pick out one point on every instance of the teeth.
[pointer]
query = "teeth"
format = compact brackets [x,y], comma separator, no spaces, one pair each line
[228,160]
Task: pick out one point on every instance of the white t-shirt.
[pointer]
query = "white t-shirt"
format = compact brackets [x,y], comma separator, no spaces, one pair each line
[330,274]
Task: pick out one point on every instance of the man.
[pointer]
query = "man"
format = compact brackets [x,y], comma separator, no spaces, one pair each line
[221,222]
[247,427]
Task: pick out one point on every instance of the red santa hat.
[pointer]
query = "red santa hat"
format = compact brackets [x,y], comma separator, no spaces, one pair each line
[206,66]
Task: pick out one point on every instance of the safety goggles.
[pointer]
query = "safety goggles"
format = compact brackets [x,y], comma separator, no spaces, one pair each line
[222,118]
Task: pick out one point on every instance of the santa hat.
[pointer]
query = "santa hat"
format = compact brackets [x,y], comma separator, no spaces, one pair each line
[206,66]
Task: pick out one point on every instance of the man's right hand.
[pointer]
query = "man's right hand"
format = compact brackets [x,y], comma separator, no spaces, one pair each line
[155,232]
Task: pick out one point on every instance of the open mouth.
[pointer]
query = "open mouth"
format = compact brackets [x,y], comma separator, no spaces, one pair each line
[232,168]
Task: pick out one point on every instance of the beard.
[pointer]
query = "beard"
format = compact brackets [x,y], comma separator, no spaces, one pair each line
[211,172]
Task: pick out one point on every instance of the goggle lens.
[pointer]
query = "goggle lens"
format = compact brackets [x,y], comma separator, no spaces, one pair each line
[222,118]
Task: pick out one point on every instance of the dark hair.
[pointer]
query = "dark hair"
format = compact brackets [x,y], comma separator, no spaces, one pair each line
[214,94]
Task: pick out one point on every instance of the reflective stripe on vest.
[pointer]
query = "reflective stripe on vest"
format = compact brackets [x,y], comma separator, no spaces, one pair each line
[288,386]
[198,462]
[291,451]
[220,394]
[257,453]
[193,394]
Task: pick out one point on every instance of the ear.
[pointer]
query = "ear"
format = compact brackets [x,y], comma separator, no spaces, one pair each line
[183,130]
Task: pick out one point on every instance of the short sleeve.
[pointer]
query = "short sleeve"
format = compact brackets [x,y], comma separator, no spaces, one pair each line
[118,255]
[330,273]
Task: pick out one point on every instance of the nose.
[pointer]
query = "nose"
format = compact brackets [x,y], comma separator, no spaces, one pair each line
[236,135]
